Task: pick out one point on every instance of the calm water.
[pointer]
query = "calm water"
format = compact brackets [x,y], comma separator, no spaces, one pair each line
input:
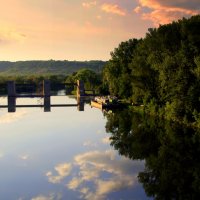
[94,155]
[65,154]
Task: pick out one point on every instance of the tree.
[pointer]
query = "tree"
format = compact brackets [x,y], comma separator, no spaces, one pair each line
[117,73]
[161,70]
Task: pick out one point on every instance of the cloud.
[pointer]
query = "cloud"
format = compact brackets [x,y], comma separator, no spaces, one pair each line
[163,12]
[10,35]
[113,9]
[63,170]
[51,196]
[12,117]
[163,16]
[137,9]
[154,4]
[89,4]
[99,17]
[185,4]
[86,28]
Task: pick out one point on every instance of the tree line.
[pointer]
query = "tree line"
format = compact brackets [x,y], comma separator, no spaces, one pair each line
[92,80]
[49,67]
[161,70]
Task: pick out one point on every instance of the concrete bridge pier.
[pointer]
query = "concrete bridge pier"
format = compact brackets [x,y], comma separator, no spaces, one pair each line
[47,104]
[80,102]
[11,104]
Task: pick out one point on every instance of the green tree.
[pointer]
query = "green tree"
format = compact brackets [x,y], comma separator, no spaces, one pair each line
[117,72]
[161,70]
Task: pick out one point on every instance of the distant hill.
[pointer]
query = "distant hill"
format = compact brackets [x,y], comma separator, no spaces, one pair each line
[48,67]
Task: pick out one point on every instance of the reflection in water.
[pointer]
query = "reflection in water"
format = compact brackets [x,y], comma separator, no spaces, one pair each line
[171,153]
[80,102]
[8,118]
[47,104]
[11,104]
[64,154]
[99,174]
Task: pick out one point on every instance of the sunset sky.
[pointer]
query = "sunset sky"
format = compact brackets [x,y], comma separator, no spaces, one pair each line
[80,29]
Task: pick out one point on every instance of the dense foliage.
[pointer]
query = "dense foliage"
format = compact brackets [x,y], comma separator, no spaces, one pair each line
[161,71]
[92,80]
[50,67]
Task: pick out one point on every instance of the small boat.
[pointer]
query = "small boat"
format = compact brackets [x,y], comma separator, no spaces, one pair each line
[105,102]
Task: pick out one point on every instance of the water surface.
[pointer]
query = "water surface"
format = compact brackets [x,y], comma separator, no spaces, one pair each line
[62,154]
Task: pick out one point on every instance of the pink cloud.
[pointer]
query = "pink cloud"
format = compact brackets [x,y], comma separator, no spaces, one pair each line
[164,12]
[89,4]
[99,17]
[137,9]
[10,35]
[113,8]
[150,4]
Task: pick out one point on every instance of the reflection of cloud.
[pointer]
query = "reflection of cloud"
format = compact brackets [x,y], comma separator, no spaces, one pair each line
[105,187]
[63,170]
[93,164]
[163,12]
[84,190]
[74,183]
[21,198]
[113,8]
[100,131]
[11,117]
[24,157]
[100,173]
[89,144]
[96,158]
[106,140]
[121,173]
[51,196]
[1,154]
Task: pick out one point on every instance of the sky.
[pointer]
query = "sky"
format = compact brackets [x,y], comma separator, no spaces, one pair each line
[80,29]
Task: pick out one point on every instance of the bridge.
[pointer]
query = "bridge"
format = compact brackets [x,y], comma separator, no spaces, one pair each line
[45,95]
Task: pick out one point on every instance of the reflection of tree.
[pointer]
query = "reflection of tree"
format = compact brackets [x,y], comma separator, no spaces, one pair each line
[171,153]
[131,136]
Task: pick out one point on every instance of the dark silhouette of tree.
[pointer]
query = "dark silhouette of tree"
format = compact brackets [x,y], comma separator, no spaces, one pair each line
[171,153]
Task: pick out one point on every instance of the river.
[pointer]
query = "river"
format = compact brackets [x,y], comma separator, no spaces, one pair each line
[63,154]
